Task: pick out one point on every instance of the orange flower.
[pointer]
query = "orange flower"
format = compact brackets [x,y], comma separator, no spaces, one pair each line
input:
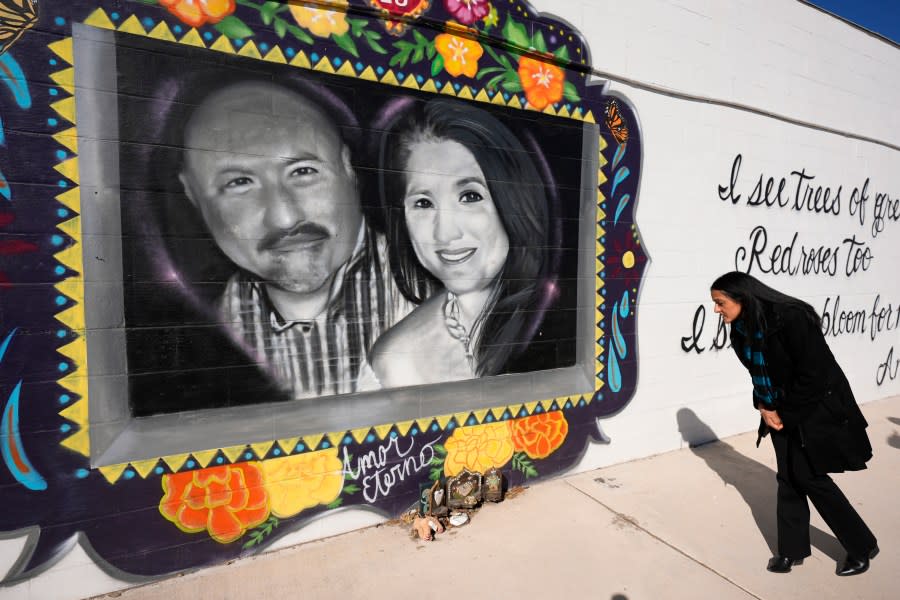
[226,500]
[542,82]
[540,435]
[199,12]
[460,54]
[321,21]
[478,448]
[302,481]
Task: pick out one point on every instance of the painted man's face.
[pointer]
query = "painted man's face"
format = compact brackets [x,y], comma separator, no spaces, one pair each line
[274,184]
[452,220]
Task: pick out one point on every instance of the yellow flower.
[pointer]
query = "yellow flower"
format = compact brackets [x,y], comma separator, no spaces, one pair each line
[321,21]
[460,54]
[492,18]
[295,483]
[478,448]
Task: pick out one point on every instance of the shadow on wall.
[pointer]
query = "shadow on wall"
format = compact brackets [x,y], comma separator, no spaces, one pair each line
[894,439]
[754,482]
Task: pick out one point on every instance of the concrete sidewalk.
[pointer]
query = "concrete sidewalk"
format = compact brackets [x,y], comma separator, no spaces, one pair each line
[694,523]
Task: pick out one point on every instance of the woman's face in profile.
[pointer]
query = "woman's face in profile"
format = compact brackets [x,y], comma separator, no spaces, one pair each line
[725,306]
[451,217]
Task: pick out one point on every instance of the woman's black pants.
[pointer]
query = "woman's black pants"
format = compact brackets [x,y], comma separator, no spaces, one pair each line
[796,482]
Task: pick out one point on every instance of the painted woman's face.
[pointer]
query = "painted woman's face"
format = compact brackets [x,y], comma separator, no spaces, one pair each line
[451,217]
[725,306]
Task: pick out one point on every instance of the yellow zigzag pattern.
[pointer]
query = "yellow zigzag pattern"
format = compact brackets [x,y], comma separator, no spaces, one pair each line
[75,380]
[72,258]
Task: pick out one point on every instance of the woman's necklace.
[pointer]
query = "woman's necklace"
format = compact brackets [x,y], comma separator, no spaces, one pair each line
[456,329]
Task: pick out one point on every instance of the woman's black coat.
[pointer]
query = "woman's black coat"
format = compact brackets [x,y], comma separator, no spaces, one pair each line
[815,397]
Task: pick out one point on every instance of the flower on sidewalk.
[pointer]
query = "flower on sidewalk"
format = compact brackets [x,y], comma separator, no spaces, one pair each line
[226,501]
[321,22]
[460,54]
[199,12]
[542,82]
[468,11]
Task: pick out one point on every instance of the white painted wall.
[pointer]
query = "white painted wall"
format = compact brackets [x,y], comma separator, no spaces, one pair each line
[778,56]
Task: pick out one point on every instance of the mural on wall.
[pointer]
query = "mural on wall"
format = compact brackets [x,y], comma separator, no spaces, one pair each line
[293,270]
[300,203]
[865,212]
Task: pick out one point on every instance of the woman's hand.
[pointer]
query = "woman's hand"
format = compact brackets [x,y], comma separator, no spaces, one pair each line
[771,419]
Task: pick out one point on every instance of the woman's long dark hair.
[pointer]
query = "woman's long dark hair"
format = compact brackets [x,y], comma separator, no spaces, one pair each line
[757,299]
[518,193]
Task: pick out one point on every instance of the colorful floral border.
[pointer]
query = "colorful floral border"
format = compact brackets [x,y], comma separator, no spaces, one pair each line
[239,499]
[74,289]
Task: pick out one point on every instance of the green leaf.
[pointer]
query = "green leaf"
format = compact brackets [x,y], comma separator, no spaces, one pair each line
[570,92]
[436,473]
[511,86]
[371,36]
[267,11]
[335,504]
[521,462]
[350,489]
[421,40]
[233,28]
[259,533]
[250,544]
[399,59]
[537,41]
[436,65]
[439,449]
[562,53]
[495,80]
[280,27]
[515,33]
[488,71]
[429,50]
[357,26]
[498,58]
[346,43]
[418,54]
[300,34]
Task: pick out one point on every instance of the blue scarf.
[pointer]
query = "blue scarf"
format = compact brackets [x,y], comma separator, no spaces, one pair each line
[753,358]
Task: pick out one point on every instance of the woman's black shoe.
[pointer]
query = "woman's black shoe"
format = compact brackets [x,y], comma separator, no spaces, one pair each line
[856,566]
[782,564]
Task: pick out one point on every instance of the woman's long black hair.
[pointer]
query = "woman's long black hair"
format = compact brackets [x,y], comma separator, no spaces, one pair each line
[518,193]
[757,299]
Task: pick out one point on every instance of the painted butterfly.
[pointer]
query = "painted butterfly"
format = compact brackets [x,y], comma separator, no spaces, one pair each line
[616,122]
[16,17]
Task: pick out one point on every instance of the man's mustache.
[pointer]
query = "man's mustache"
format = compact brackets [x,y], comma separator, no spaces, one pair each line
[304,232]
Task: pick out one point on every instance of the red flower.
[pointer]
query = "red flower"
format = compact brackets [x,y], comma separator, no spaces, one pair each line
[226,500]
[468,11]
[540,435]
[199,12]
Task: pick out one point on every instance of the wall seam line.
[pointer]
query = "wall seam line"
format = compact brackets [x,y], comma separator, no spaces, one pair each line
[638,526]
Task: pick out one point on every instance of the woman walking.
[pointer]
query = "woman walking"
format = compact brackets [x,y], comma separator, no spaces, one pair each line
[806,404]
